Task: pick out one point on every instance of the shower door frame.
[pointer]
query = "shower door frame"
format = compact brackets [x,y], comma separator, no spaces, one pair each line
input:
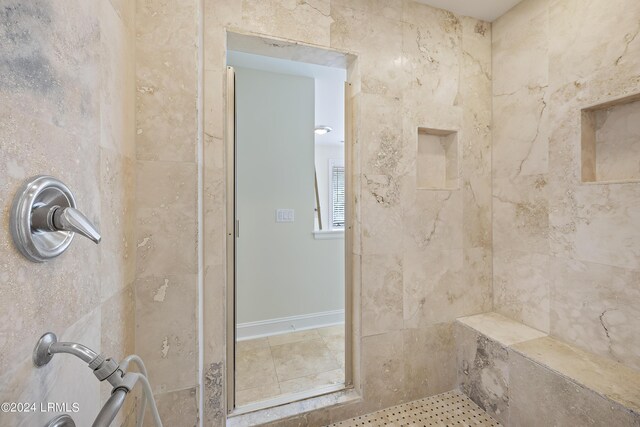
[231,234]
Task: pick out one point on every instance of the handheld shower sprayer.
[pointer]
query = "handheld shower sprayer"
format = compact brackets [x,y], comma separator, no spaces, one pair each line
[104,369]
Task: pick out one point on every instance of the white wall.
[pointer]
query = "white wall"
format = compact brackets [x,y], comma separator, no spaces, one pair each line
[330,107]
[281,269]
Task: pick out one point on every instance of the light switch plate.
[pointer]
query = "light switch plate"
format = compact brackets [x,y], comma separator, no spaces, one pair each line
[285,215]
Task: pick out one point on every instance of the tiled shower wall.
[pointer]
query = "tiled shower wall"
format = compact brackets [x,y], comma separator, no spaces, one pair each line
[66,109]
[425,255]
[166,210]
[566,254]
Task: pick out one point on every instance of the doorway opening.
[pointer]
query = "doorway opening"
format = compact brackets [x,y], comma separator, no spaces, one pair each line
[289,332]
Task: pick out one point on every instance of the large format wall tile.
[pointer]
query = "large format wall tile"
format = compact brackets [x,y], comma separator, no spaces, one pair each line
[177,408]
[426,376]
[166,76]
[602,314]
[521,287]
[66,80]
[166,330]
[381,294]
[566,252]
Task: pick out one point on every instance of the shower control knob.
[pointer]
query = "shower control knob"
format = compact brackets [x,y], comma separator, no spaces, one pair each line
[44,219]
[56,218]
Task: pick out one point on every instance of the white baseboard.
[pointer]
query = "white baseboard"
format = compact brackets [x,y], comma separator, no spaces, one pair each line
[283,325]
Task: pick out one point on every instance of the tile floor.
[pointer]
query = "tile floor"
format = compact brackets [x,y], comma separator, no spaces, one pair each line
[447,409]
[288,363]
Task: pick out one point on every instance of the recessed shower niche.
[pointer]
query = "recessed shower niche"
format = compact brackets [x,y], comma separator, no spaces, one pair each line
[611,141]
[437,159]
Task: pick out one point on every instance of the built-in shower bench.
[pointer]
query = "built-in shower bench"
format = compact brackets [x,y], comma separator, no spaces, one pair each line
[523,377]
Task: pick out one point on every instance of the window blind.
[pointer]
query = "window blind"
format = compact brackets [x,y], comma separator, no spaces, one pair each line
[337,197]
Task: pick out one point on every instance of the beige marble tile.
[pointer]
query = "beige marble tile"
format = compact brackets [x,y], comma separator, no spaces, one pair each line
[483,369]
[307,22]
[391,9]
[520,48]
[383,370]
[117,317]
[357,30]
[501,329]
[593,307]
[382,152]
[166,330]
[431,42]
[426,376]
[521,287]
[538,396]
[613,380]
[331,331]
[616,147]
[178,408]
[596,223]
[291,337]
[298,359]
[255,368]
[521,144]
[381,294]
[214,82]
[305,411]
[381,215]
[256,394]
[117,76]
[166,185]
[248,345]
[310,382]
[476,211]
[336,343]
[219,15]
[431,221]
[165,239]
[165,75]
[436,290]
[605,28]
[117,222]
[214,400]
[521,214]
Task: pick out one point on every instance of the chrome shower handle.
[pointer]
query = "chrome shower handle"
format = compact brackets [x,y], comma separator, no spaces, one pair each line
[56,218]
[71,219]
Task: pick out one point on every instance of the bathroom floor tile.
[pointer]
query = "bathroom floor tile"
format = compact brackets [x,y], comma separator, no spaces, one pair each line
[311,334]
[337,330]
[334,342]
[302,358]
[252,344]
[256,368]
[289,363]
[312,381]
[447,409]
[256,394]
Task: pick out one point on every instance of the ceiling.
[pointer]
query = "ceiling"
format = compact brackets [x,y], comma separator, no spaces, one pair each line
[487,10]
